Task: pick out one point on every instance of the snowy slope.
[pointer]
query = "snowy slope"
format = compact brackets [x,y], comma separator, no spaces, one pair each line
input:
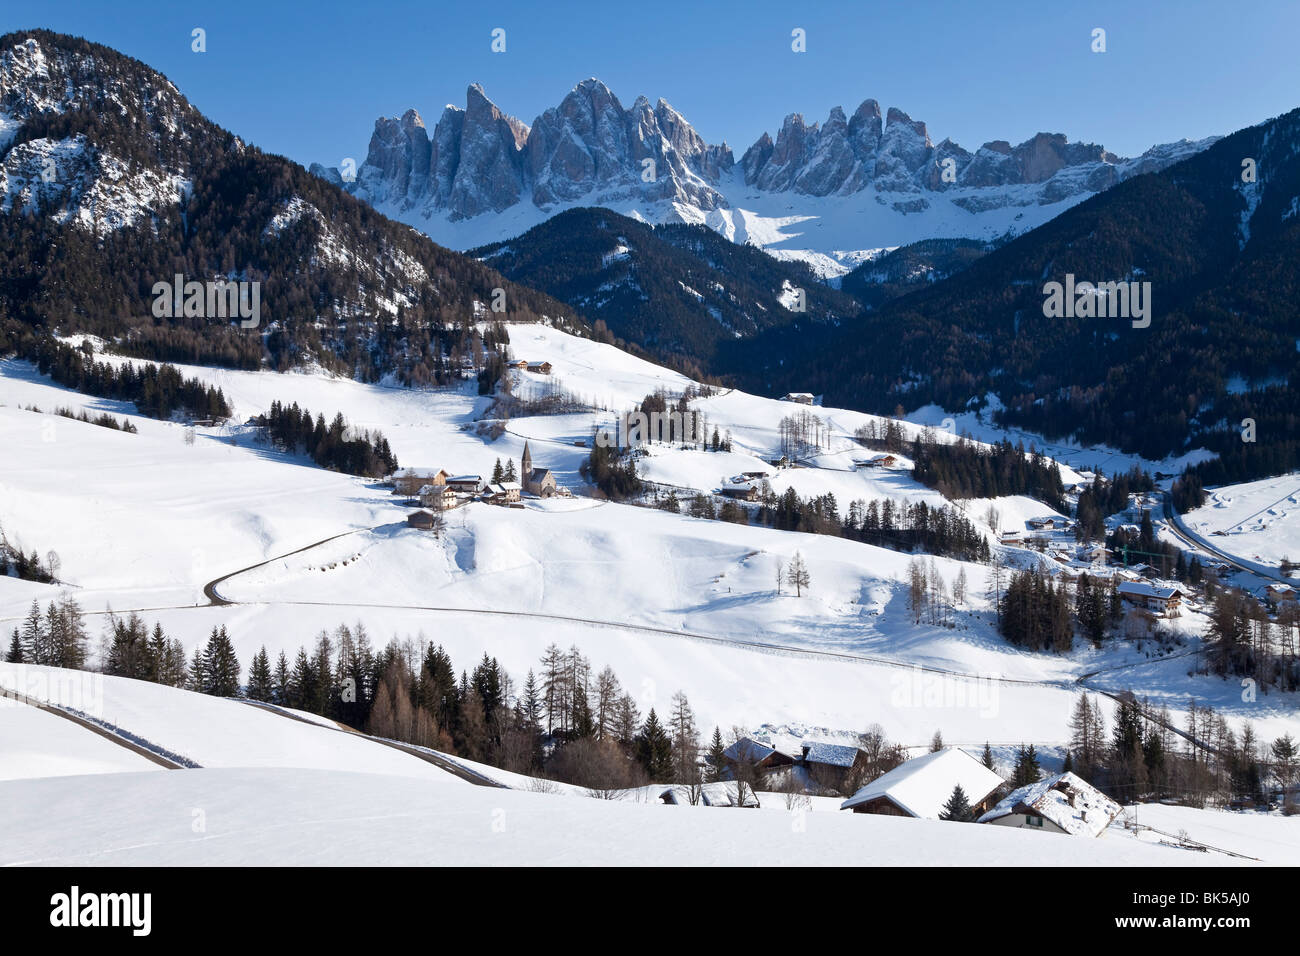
[215,732]
[1256,520]
[316,817]
[34,743]
[669,601]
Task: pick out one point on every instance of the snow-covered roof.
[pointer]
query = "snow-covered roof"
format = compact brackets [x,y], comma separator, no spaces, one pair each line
[460,478]
[1067,800]
[752,750]
[749,750]
[734,485]
[1142,589]
[834,755]
[922,785]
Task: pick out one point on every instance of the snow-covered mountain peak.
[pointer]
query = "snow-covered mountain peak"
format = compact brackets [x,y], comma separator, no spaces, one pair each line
[885,181]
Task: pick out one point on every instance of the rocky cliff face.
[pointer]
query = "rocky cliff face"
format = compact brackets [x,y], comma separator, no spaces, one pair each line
[592,150]
[481,160]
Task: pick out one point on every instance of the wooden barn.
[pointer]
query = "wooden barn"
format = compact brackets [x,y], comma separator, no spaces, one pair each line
[921,786]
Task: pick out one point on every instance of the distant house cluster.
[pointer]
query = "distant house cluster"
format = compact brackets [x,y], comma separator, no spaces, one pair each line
[875,461]
[440,491]
[537,368]
[1138,585]
[923,787]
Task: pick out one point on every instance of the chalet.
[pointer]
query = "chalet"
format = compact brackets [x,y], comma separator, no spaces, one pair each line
[502,493]
[1014,538]
[753,475]
[420,519]
[1067,573]
[1045,524]
[921,786]
[1279,593]
[1064,803]
[408,481]
[539,368]
[466,484]
[777,752]
[802,398]
[744,491]
[875,461]
[1159,600]
[1094,554]
[521,364]
[832,765]
[437,497]
[781,462]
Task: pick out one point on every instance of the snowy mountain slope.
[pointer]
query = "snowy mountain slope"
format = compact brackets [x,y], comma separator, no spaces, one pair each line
[112,182]
[573,572]
[483,176]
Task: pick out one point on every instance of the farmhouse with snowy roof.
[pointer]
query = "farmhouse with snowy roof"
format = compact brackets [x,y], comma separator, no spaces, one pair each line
[1065,803]
[744,490]
[438,497]
[466,484]
[875,461]
[1279,593]
[832,765]
[777,751]
[921,786]
[1158,600]
[502,493]
[408,481]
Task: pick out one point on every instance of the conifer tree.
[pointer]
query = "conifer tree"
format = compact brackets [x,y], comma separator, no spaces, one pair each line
[655,749]
[15,655]
[260,683]
[280,682]
[220,666]
[1027,768]
[958,808]
[717,757]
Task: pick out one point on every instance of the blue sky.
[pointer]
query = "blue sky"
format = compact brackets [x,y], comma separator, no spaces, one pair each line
[308,80]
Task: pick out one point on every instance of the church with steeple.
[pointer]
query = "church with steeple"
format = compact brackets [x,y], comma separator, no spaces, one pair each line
[535,481]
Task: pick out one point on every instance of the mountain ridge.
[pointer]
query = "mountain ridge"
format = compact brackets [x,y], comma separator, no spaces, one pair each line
[649,161]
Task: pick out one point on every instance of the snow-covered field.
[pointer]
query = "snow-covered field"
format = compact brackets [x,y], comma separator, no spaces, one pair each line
[1257,521]
[34,743]
[273,790]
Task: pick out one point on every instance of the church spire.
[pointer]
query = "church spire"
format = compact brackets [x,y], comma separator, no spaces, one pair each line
[525,465]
